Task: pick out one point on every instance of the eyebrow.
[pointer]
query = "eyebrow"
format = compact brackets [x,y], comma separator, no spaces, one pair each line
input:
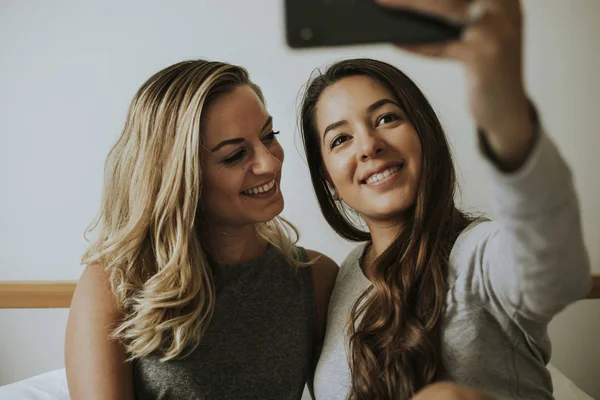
[240,140]
[370,109]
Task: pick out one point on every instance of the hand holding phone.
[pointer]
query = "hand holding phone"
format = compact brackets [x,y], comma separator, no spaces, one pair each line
[490,49]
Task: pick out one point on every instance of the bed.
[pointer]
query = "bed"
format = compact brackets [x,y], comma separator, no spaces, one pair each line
[52,385]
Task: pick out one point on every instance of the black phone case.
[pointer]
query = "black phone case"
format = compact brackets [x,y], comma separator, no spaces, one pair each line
[317,23]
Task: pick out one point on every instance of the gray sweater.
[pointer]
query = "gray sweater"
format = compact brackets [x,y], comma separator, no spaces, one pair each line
[507,280]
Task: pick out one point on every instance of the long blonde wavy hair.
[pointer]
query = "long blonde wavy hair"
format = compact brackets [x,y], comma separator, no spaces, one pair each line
[147,224]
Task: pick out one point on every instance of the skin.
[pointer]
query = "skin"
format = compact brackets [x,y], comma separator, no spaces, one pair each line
[364,132]
[95,364]
[241,152]
[449,391]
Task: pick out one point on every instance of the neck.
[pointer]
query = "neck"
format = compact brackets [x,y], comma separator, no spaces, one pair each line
[231,244]
[383,234]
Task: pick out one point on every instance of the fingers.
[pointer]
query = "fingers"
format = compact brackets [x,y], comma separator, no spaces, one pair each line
[477,44]
[458,11]
[493,31]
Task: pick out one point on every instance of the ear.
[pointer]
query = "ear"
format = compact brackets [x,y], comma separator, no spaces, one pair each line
[327,178]
[325,175]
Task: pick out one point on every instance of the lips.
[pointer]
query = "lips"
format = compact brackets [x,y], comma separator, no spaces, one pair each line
[378,174]
[260,188]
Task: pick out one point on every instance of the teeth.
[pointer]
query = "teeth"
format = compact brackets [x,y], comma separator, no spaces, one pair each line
[384,174]
[260,189]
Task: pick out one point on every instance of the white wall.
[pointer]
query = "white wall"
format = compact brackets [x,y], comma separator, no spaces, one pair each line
[68,70]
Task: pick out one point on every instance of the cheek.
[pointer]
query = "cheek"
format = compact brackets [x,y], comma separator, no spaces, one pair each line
[409,145]
[278,152]
[220,186]
[339,167]
[418,159]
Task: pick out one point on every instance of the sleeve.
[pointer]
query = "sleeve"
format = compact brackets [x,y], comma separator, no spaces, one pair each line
[534,262]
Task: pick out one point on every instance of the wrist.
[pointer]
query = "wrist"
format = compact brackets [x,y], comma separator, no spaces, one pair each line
[510,145]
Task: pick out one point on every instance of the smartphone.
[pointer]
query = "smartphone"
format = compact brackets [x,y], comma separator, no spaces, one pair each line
[322,23]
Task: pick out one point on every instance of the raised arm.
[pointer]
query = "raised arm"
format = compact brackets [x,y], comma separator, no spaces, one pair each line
[532,260]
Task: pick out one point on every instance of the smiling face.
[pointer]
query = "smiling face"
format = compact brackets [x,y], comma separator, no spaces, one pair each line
[241,164]
[371,152]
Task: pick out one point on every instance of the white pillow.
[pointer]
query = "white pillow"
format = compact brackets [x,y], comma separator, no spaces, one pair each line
[564,388]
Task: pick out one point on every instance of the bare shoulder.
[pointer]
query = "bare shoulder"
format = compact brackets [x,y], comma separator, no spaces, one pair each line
[324,268]
[93,313]
[93,291]
[324,272]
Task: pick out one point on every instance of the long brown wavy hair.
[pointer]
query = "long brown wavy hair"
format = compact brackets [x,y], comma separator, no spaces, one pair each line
[394,328]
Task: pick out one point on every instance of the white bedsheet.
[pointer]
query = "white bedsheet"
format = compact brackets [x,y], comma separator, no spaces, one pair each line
[53,386]
[48,386]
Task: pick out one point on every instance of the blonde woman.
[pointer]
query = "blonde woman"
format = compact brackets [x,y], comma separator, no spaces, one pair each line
[194,288]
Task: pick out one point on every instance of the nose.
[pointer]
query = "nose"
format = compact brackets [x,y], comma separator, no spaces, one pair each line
[265,162]
[371,145]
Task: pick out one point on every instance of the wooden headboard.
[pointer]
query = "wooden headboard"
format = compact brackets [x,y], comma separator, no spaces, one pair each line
[34,294]
[58,294]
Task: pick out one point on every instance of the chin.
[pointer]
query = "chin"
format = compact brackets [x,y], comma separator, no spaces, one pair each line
[269,212]
[389,211]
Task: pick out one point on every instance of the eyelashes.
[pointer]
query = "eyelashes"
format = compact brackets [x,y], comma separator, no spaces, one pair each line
[383,119]
[391,117]
[270,136]
[338,140]
[236,157]
[241,153]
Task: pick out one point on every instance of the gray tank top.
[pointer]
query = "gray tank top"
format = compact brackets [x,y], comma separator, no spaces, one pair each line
[259,344]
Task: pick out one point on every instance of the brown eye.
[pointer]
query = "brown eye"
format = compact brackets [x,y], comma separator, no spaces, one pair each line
[235,157]
[339,140]
[387,118]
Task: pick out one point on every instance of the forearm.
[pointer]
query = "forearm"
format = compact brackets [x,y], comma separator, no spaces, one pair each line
[537,261]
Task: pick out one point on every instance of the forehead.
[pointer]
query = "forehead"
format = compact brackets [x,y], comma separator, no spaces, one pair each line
[348,97]
[236,114]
